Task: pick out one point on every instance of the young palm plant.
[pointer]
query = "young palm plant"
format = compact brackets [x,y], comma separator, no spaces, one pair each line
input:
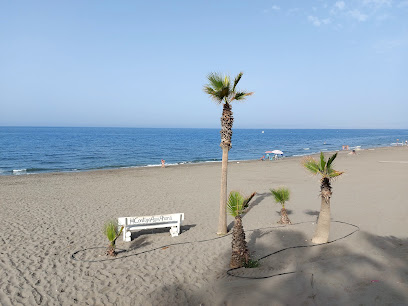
[223,92]
[112,232]
[240,254]
[327,173]
[281,196]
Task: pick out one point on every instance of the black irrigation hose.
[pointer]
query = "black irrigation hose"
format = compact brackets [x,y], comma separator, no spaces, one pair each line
[228,271]
[164,246]
[147,251]
[293,247]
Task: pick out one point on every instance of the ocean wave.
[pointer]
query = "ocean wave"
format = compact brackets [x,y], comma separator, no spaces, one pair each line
[19,171]
[35,171]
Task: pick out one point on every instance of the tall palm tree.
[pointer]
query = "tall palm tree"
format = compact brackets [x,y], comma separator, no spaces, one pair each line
[281,196]
[327,173]
[240,254]
[223,92]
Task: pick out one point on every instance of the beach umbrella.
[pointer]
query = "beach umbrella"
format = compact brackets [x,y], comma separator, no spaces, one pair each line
[277,152]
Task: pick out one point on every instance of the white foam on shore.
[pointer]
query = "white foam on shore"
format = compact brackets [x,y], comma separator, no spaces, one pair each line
[156,165]
[19,171]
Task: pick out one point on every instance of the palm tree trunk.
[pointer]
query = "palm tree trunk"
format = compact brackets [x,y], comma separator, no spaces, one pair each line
[111,249]
[222,219]
[323,223]
[240,253]
[227,120]
[284,217]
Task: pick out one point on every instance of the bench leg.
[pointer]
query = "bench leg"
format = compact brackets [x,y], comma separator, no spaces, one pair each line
[174,231]
[127,235]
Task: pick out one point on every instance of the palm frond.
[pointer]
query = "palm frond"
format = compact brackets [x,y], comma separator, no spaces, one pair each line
[235,204]
[331,159]
[311,164]
[281,195]
[227,82]
[220,89]
[216,81]
[237,78]
[209,90]
[111,230]
[213,94]
[334,173]
[241,95]
[322,162]
[225,92]
[248,199]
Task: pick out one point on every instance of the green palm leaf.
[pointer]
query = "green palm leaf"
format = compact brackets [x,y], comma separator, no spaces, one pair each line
[247,200]
[224,93]
[219,88]
[213,94]
[237,78]
[322,162]
[241,95]
[325,169]
[331,159]
[216,81]
[311,164]
[235,205]
[111,230]
[334,173]
[227,82]
[281,195]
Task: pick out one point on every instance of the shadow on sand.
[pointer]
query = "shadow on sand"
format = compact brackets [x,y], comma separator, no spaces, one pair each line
[362,269]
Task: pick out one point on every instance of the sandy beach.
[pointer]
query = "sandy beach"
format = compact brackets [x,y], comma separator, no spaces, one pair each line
[53,249]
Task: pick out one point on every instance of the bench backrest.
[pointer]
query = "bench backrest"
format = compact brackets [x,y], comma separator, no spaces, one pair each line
[150,220]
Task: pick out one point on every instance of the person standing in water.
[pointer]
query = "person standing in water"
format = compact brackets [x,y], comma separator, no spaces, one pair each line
[163,163]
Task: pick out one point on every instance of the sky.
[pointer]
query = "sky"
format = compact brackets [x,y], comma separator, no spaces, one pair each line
[311,64]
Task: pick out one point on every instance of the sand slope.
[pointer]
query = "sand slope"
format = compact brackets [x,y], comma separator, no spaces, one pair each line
[47,218]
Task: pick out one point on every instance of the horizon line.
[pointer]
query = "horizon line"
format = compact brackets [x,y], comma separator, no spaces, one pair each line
[208,128]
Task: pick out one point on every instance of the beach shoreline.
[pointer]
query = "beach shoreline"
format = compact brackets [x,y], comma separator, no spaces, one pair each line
[49,217]
[23,172]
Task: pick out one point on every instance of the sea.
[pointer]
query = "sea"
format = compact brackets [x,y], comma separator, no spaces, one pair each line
[31,150]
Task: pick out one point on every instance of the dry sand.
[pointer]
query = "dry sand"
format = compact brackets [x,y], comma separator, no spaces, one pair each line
[46,218]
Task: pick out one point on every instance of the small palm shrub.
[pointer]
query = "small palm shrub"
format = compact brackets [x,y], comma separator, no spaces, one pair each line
[282,195]
[112,232]
[240,254]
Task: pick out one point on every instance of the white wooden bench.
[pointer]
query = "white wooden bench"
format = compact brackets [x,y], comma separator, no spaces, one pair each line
[147,222]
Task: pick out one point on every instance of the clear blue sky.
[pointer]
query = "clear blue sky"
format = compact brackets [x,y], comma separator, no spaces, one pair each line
[311,64]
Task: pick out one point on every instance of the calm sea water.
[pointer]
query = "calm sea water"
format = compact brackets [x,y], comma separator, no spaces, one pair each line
[27,150]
